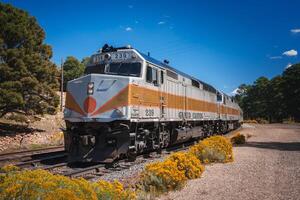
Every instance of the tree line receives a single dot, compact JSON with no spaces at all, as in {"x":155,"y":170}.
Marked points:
{"x":275,"y":99}
{"x":29,"y":81}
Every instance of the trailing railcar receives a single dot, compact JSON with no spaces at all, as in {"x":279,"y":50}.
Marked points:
{"x":128,"y":103}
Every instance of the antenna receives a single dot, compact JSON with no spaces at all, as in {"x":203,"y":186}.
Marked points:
{"x":61,"y":84}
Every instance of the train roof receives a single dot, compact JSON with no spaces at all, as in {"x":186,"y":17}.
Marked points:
{"x":206,"y":86}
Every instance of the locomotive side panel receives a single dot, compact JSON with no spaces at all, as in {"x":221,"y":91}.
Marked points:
{"x":129,"y":112}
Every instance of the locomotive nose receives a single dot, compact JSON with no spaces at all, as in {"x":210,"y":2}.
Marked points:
{"x":96,"y":97}
{"x":89,"y":104}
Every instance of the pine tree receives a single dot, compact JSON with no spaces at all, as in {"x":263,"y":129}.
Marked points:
{"x":27,"y":76}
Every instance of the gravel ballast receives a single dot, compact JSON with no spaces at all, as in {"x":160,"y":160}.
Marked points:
{"x":266,"y":167}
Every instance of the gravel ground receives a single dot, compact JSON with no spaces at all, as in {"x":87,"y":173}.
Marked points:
{"x":266,"y":167}
{"x":130,"y":172}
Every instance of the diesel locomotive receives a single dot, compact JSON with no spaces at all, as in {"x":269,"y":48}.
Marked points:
{"x":127,"y":103}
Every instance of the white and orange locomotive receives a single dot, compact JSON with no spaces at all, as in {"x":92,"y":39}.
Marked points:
{"x":128,"y":103}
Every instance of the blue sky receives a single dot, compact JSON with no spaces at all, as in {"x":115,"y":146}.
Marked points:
{"x":224,"y":43}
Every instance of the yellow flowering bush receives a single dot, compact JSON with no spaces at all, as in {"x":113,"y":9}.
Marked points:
{"x":188,"y":163}
{"x":213,"y":149}
{"x":114,"y":190}
{"x":250,"y":121}
{"x":162,"y":177}
{"x":238,"y":139}
{"x":41,"y":184}
{"x":9,"y":168}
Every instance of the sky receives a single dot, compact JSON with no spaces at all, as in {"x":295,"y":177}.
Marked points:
{"x":224,"y":43}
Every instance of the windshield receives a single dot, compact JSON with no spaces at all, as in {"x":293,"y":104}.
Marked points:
{"x":124,"y":69}
{"x":95,"y":69}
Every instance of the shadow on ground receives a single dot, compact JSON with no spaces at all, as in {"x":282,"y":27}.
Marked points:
{"x":282,"y":146}
{"x":7,"y":129}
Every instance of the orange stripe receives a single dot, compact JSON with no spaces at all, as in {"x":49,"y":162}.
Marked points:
{"x":228,"y":110}
{"x":148,"y":97}
{"x":72,"y":105}
{"x":137,"y":95}
{"x":120,"y":99}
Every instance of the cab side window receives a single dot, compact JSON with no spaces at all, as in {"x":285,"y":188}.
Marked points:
{"x":152,"y":76}
{"x":219,"y":97}
{"x":149,"y":74}
{"x":162,"y":77}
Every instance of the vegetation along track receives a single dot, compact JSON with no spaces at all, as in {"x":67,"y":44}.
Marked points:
{"x":90,"y":171}
{"x":54,"y":160}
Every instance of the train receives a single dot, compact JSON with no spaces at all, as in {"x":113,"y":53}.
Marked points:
{"x":128,"y":103}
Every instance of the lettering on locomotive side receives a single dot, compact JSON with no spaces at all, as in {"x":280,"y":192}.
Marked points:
{"x":198,"y":115}
{"x":149,"y":112}
{"x":189,"y":115}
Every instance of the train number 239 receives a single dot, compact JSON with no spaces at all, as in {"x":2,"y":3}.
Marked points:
{"x":149,"y":112}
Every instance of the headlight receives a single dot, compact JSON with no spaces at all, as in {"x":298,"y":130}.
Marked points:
{"x":107,"y":56}
{"x":90,"y":88}
{"x":91,"y":85}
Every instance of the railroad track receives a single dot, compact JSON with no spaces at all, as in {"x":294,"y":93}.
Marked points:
{"x":31,"y":157}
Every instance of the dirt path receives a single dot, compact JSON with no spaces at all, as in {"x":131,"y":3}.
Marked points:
{"x":266,"y":167}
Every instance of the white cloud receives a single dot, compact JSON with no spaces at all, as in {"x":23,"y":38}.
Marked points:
{"x":275,"y":57}
{"x":288,"y":65}
{"x":291,"y":52}
{"x":295,"y":30}
{"x":161,"y":23}
{"x":128,"y":29}
{"x":235,"y":91}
